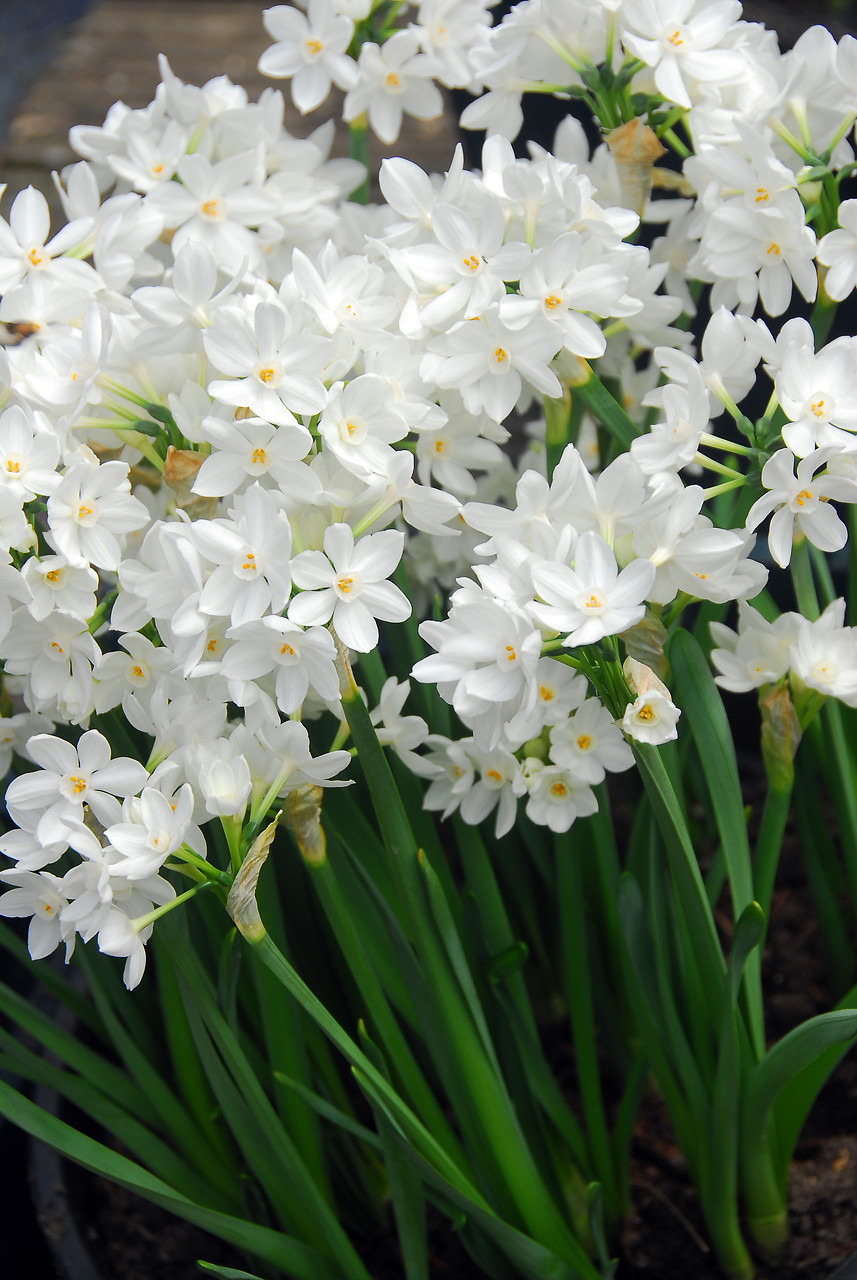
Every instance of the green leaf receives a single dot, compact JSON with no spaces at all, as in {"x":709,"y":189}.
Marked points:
{"x":291,"y":1256}
{"x":791,"y":1055}
{"x":692,"y":897}
{"x":328,"y":1111}
{"x":534,"y":1260}
{"x":704,"y":715}
{"x":226,"y":1273}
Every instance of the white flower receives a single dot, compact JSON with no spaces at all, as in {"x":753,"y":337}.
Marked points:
{"x":393,"y":79}
{"x":485,"y":359}
{"x":593,"y":599}
{"x":403,"y":733}
{"x":310,"y":49}
{"x":838,"y":252}
{"x":155,"y":826}
{"x":824,"y":654}
{"x":38,"y":895}
{"x":802,"y":498}
{"x":69,"y":778}
{"x":589,"y":743}
{"x":652,"y":716}
{"x":347,"y":585}
{"x":755,"y":655}
{"x":23,"y":252}
{"x":557,"y":797}
{"x":55,"y":584}
{"x":300,"y":659}
{"x":91,"y":510}
{"x":679,"y":44}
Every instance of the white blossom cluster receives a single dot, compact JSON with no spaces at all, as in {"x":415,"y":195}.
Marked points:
{"x":235,"y":405}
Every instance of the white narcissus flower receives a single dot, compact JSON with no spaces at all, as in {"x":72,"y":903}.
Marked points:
{"x":681,"y":44}
{"x":594,"y":599}
{"x":70,"y":777}
{"x":347,"y":585}
{"x":403,"y":733}
{"x":40,"y":896}
{"x":300,"y":659}
{"x":56,"y":584}
{"x":393,"y":79}
{"x":557,"y":797}
{"x":485,"y":358}
{"x":801,"y":498}
{"x":838,"y":252}
{"x":154,"y":826}
{"x":23,"y":252}
{"x":755,"y":655}
{"x":91,"y":511}
{"x":824,"y":654}
{"x":652,"y":716}
{"x":310,"y":49}
{"x":588,"y":743}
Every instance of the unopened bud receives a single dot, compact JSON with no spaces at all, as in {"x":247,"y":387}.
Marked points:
{"x":241,"y":900}
{"x":302,"y":816}
{"x":781,"y":734}
{"x":635,"y":147}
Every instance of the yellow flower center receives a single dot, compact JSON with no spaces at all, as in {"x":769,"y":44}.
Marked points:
{"x":584,"y":742}
{"x":472,"y":262}
{"x":805,"y":495}
{"x":259,"y":458}
{"x":553,"y":302}
{"x":511,"y":655}
{"x":817,"y":408}
{"x":773,"y":250}
{"x":345,"y":585}
{"x":499,"y":355}
{"x":77,"y":784}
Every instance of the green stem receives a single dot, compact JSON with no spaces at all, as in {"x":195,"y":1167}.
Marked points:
{"x":768,"y":845}
{"x":479,"y":1092}
{"x":391,"y":1039}
{"x":358,"y":149}
{"x":605,"y":408}
{"x":578,"y":995}
{"x":802,"y":580}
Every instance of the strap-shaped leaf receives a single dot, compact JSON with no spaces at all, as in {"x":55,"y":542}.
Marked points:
{"x":705,"y":718}
{"x":293,"y":1257}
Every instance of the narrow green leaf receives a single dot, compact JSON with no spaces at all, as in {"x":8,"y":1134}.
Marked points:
{"x":146,"y":1146}
{"x":791,"y":1055}
{"x":533,"y":1259}
{"x":328,"y":1111}
{"x":293,"y":1257}
{"x":704,"y":714}
{"x":226,"y":1273}
{"x":686,"y":873}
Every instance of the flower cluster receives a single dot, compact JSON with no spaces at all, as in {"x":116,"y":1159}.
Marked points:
{"x":226,"y":426}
